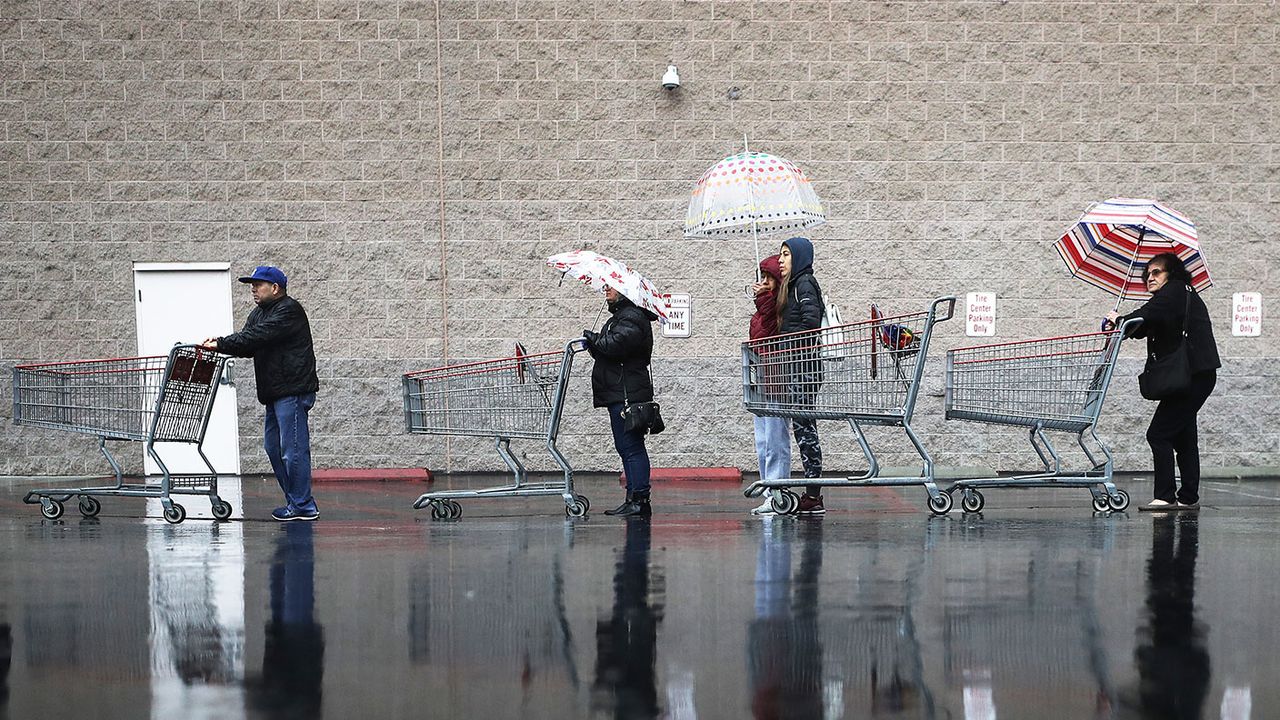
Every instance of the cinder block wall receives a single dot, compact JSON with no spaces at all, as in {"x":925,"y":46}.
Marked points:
{"x":410,"y":164}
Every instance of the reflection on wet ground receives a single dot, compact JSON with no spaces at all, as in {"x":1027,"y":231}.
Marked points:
{"x":1038,"y":607}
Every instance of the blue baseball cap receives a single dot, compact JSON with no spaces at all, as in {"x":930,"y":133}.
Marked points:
{"x":267,"y":273}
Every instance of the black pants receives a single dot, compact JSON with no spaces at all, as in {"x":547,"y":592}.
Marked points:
{"x":1173,"y":432}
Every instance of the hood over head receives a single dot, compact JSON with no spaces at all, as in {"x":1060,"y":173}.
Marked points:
{"x":769,"y":266}
{"x":801,"y":254}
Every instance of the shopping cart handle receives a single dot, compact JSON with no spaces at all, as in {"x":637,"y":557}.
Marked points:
{"x":576,"y":345}
{"x":228,"y":373}
{"x":1108,"y":325}
{"x":950,"y":300}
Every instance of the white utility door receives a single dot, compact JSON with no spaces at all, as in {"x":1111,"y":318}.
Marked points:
{"x":186,"y":303}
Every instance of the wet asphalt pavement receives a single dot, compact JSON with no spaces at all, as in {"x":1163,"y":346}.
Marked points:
{"x":1038,"y":607}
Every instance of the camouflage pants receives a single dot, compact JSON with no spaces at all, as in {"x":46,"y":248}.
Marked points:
{"x":806,"y":432}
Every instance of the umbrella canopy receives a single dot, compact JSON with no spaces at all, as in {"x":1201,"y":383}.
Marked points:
{"x":1110,"y":245}
{"x":752,"y":193}
{"x":600,"y":271}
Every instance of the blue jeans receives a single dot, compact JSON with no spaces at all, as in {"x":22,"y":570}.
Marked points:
{"x":630,"y":447}
{"x":773,"y":448}
{"x":288,"y":444}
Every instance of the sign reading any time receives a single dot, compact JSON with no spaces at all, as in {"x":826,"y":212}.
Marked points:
{"x":980,"y":314}
{"x":679,"y":316}
{"x":1246,"y":314}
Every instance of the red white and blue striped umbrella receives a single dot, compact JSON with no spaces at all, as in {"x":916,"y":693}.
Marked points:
{"x":1110,"y":245}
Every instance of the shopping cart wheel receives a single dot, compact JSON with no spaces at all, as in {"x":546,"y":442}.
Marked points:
{"x":583,"y":499}
{"x":1101,"y":503}
{"x":577,"y":508}
{"x":940,"y":504}
{"x":89,"y":506}
{"x":175,"y":514}
{"x":972,"y":502}
{"x":221,"y":510}
{"x":1119,"y":501}
{"x":785,"y":502}
{"x":453,"y":510}
{"x":51,"y":509}
{"x":438,"y":510}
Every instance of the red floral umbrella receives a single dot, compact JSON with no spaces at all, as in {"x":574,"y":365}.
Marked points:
{"x":599,"y":271}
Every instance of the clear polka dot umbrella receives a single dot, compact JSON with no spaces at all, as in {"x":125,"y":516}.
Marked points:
{"x":599,"y":271}
{"x":752,"y":194}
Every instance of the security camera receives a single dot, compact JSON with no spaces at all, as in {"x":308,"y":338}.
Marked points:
{"x":671,"y":78}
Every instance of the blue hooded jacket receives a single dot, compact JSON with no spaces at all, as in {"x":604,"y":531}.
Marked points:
{"x":804,"y":305}
{"x":801,"y":255}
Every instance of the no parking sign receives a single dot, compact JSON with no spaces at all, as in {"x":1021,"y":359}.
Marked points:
{"x":679,"y":316}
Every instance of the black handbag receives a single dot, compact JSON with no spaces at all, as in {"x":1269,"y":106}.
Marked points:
{"x":643,"y":416}
{"x":1165,"y":377}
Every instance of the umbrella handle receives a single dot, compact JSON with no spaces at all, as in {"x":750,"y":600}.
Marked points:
{"x":1132,"y":261}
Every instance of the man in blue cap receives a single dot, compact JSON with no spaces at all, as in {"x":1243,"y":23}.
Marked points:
{"x":277,"y":336}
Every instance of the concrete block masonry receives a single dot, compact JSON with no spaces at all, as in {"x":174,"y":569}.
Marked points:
{"x":950,"y":143}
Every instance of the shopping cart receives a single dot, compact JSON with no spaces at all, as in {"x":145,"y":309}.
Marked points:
{"x":1046,"y":384}
{"x":151,"y":400}
{"x":519,"y":397}
{"x":870,"y":375}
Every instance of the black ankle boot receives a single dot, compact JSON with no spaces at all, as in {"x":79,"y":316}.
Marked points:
{"x":639,"y":506}
{"x":618,"y":510}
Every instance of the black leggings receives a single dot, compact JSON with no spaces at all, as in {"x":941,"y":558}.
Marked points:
{"x":1173,"y":432}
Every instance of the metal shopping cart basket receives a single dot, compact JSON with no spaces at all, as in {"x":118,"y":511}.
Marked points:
{"x":153,"y":400}
{"x":1056,"y":384}
{"x":518,"y":397}
{"x":865,"y":373}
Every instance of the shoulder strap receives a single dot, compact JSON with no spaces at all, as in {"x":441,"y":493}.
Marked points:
{"x":1186,"y":310}
{"x":647,"y":368}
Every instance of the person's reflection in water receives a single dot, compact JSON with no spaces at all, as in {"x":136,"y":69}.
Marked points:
{"x":1173,"y":664}
{"x":783,"y":646}
{"x":293,"y":651}
{"x":626,"y":642}
{"x":6,"y":658}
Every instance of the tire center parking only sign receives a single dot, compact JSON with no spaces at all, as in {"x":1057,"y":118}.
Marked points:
{"x":980,"y":314}
{"x":1246,"y":314}
{"x":679,"y":316}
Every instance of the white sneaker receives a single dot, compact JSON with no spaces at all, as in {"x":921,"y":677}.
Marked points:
{"x":1158,"y":505}
{"x":766,"y":508}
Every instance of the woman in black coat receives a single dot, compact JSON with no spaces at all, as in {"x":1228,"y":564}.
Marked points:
{"x":1173,"y":306}
{"x":622,"y":350}
{"x":800,"y":308}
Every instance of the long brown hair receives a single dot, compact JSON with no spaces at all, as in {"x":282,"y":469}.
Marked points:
{"x":784,"y":294}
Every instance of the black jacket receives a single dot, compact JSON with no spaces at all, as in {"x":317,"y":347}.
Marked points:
{"x":1162,"y":326}
{"x":622,"y":350}
{"x":804,"y":304}
{"x":278,"y":338}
